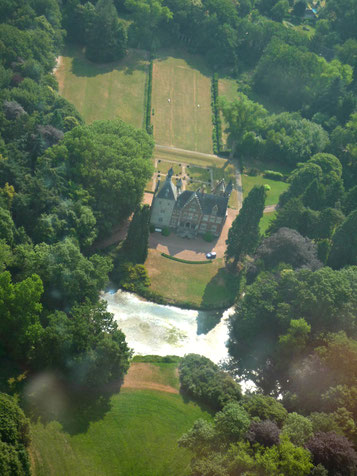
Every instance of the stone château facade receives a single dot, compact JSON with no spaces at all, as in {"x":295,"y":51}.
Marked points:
{"x":189,"y":213}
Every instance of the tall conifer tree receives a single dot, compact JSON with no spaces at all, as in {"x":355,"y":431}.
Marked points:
{"x":243,"y":235}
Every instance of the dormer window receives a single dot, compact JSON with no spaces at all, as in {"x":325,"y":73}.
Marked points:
{"x":215,"y":210}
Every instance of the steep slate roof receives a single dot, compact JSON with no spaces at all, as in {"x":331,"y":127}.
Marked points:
{"x":207,"y":202}
{"x":167,"y":190}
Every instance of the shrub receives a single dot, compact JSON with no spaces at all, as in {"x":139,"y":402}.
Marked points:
{"x":204,"y":381}
{"x":208,"y":236}
{"x":133,"y":277}
{"x":267,"y":187}
{"x":265,"y":408}
{"x":264,"y":433}
{"x":271,"y":174}
{"x":166,"y":231}
{"x":253,"y":172}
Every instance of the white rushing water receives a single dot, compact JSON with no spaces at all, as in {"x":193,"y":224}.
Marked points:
{"x":166,"y":330}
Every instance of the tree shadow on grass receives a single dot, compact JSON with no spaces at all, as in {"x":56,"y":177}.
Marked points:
{"x":203,"y":406}
{"x":222,"y":291}
{"x":195,"y":61}
{"x":82,"y":67}
{"x":47,"y":398}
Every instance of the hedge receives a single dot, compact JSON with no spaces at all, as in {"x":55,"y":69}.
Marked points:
{"x":185,"y":260}
{"x":216,"y":117}
{"x":149,"y":127}
{"x":273,"y":175}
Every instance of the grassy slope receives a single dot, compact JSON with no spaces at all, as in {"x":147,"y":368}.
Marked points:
{"x":272,"y":195}
{"x":266,"y":221}
{"x":185,"y":80}
{"x":199,"y":285}
{"x":105,"y":91}
{"x":137,"y":436}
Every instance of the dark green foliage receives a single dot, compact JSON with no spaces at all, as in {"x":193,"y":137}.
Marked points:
{"x":86,"y":346}
{"x":149,"y":127}
{"x":344,"y":243}
{"x":266,"y":339}
{"x":135,"y":246}
{"x":216,"y":116}
{"x":14,"y":438}
{"x":208,"y":237}
{"x":350,"y":200}
{"x":289,"y":138}
{"x":202,"y":379}
{"x":68,"y":276}
{"x":20,"y":315}
{"x":110,"y":161}
{"x":166,"y":231}
{"x":106,"y":39}
{"x":272,"y":174}
{"x":264,"y":408}
{"x":244,"y":233}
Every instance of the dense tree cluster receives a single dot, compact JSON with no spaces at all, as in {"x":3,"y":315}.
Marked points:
{"x":14,"y":438}
{"x":62,"y":186}
{"x":204,"y":381}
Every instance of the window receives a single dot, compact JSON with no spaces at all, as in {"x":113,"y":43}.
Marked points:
{"x":212,"y":219}
{"x":205,"y":218}
{"x":218,"y":220}
{"x":160,"y":220}
{"x":203,"y":226}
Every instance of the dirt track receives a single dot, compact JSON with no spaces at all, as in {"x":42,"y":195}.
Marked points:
{"x":143,"y":376}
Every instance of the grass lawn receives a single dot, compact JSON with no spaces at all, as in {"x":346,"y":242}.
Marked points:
{"x":277,"y":187}
{"x":228,"y":88}
{"x":265,"y":221}
{"x":105,"y":91}
{"x":163,"y":167}
{"x":186,"y":158}
{"x":184,"y":121}
{"x":198,"y":173}
{"x":137,"y":435}
{"x":199,"y":285}
{"x":267,"y":164}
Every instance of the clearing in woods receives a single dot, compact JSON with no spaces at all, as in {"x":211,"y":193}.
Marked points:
{"x":181,"y":101}
{"x":105,"y":91}
{"x":135,"y":432}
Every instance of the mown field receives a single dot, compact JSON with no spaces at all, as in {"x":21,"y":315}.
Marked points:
{"x":105,"y":91}
{"x":205,"y":285}
{"x":181,"y":101}
{"x":137,"y":435}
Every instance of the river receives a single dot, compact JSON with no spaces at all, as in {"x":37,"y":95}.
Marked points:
{"x":167,"y":330}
